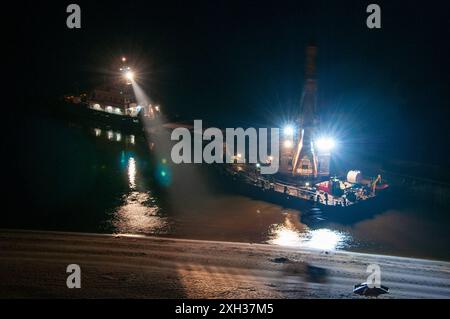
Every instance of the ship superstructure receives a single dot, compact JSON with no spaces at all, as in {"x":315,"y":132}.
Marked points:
{"x":114,"y":102}
{"x":117,"y":96}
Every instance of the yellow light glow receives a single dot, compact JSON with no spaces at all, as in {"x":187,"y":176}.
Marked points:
{"x":324,"y":239}
{"x":288,"y":144}
{"x":129,"y":75}
{"x":291,"y":233}
{"x":132,"y":172}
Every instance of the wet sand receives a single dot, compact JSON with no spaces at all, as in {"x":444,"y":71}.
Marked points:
{"x":33,"y":265}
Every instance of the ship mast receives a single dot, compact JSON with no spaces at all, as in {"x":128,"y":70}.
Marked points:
{"x":304,"y":162}
{"x":125,"y":82}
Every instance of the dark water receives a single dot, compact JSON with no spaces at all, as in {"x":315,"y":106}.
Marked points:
{"x":68,"y":177}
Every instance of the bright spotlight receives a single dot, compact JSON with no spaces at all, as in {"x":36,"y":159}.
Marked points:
{"x":288,"y":130}
{"x":325,"y":144}
{"x":288,"y":143}
{"x":129,"y":75}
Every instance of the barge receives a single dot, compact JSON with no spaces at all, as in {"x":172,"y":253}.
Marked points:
{"x":333,"y":196}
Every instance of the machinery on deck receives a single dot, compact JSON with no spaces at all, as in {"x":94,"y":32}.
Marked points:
{"x":330,"y":194}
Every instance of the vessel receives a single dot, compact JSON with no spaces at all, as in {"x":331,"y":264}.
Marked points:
{"x":336,"y":196}
{"x":114,"y":103}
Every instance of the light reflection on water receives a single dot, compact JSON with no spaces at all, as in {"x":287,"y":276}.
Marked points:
{"x":289,"y":234}
{"x":138,"y":213}
{"x":132,"y":172}
{"x":115,"y":136}
{"x":137,"y":216}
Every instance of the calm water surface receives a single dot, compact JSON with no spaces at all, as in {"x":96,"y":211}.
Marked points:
{"x":95,"y":179}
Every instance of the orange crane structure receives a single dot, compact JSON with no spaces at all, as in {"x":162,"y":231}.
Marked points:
{"x":299,"y":157}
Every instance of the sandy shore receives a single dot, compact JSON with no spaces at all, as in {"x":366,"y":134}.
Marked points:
{"x":33,"y":264}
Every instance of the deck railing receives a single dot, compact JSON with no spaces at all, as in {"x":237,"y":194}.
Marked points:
{"x":291,"y":189}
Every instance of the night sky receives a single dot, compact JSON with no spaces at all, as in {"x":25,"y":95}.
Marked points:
{"x":242,"y":63}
